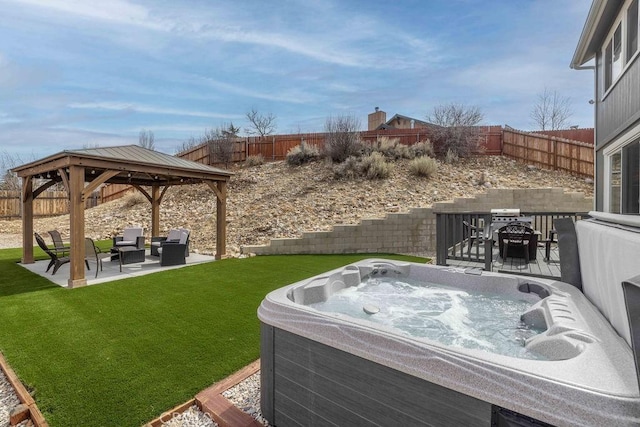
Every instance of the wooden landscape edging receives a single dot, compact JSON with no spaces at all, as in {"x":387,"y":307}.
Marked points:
{"x":213,"y":403}
{"x":23,"y":395}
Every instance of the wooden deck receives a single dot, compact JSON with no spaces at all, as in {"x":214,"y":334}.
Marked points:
{"x":538,"y":267}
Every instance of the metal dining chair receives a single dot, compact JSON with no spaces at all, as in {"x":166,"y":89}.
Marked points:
{"x":515,"y":236}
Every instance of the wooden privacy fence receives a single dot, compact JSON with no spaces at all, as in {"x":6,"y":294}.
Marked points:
{"x":48,"y":203}
{"x":549,"y":152}
{"x":109,"y":192}
{"x":276,"y":147}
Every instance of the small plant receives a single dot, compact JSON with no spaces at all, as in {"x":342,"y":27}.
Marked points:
{"x":451,"y":157}
{"x":422,"y":148}
{"x":301,"y":154}
{"x":252,"y":161}
{"x":375,"y":166}
{"x":423,"y":166}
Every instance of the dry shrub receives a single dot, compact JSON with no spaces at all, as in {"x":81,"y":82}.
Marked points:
{"x":349,"y":169}
{"x":423,"y":166}
{"x":256,"y":160}
{"x":393,"y":149}
{"x":301,"y":154}
{"x":342,"y":139}
{"x":134,"y":199}
{"x":451,"y":157}
{"x":374,"y":166}
{"x":423,"y":148}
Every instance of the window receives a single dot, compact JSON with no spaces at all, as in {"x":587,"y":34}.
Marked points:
{"x":624,"y":179}
{"x":622,"y":45}
{"x":613,"y":57}
{"x":608,"y":79}
{"x":632,"y":30}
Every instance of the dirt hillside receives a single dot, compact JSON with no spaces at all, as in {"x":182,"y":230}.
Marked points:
{"x":275,"y":200}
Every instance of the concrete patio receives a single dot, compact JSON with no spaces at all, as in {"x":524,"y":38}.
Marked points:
{"x":111,"y":269}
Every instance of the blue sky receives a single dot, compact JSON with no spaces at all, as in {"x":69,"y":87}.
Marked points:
{"x":86,"y":73}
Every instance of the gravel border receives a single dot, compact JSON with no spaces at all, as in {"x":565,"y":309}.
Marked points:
{"x":246,"y":396}
{"x":8,"y":399}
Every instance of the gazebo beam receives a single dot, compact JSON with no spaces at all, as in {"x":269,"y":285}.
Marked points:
{"x":221,"y":219}
{"x":76,"y":219}
{"x":27,"y":220}
{"x":156,"y":198}
{"x":93,"y":185}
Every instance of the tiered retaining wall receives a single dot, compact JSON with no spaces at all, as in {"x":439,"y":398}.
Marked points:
{"x":414,"y":232}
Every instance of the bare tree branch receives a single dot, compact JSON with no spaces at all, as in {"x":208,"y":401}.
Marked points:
{"x":342,"y":138}
{"x":147,"y":140}
{"x":456,"y":131}
{"x":552,"y":111}
{"x":8,"y":179}
{"x":260,"y":124}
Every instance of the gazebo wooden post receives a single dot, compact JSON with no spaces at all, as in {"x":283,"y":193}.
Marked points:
{"x":27,"y":220}
{"x":76,"y":219}
{"x":221,"y":219}
{"x":155,"y":210}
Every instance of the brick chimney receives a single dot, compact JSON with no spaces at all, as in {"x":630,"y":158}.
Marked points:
{"x":376,"y":118}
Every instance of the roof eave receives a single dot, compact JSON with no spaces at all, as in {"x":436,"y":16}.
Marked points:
{"x":583,"y":52}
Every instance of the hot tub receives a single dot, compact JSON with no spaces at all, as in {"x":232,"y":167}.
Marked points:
{"x":326,"y":368}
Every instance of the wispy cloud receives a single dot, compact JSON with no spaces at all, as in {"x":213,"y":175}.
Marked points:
{"x":138,"y":108}
{"x":115,"y":11}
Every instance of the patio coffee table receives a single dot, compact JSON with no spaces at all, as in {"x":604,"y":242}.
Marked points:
{"x":127,"y":255}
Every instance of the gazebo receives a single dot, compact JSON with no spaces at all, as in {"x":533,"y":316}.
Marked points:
{"x":83,"y":171}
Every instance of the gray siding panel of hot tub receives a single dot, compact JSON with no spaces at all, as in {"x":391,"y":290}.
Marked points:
{"x":317,"y":384}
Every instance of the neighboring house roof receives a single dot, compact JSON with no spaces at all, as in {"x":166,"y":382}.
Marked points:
{"x":389,"y":123}
{"x":596,"y":27}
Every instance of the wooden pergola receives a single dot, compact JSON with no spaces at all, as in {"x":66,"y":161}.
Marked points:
{"x":85,"y":170}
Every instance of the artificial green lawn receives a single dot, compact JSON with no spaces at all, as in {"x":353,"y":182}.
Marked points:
{"x":123,"y":352}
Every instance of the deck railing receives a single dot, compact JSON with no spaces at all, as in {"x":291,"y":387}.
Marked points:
{"x":464,"y":236}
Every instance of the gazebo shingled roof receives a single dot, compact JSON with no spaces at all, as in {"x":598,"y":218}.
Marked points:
{"x":128,"y":164}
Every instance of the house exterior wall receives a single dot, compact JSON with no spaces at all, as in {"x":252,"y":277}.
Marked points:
{"x":620,"y":109}
{"x":617,"y":111}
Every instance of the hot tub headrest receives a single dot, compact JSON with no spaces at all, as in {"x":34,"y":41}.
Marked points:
{"x":609,"y":247}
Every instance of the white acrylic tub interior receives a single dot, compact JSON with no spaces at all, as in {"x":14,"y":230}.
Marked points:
{"x":590,"y":379}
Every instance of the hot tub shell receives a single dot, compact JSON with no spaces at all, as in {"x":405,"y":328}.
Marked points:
{"x":320,"y":368}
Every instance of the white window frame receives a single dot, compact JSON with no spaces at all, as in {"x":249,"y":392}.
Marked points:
{"x":622,"y":21}
{"x":617,"y":146}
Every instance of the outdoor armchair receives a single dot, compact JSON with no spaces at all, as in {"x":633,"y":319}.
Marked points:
{"x":174,"y":252}
{"x":173,"y":236}
{"x":56,"y":261}
{"x":131,"y":236}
